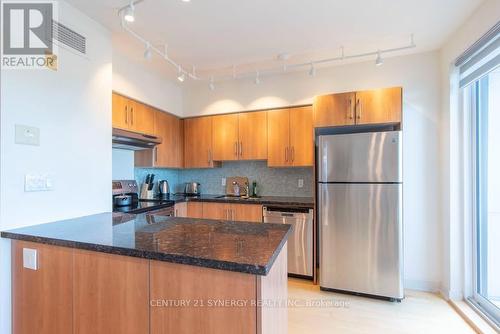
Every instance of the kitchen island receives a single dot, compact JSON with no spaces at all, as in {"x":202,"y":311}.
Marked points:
{"x":119,"y":273}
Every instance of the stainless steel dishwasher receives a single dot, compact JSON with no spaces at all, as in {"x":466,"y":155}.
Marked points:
{"x":300,"y":242}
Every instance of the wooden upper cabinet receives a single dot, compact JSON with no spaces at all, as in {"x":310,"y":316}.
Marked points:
{"x":290,"y":137}
{"x":120,"y":112}
{"x":278,"y":137}
{"x":132,"y":115}
{"x":252,"y":128}
{"x":198,"y":143}
{"x":334,"y":110}
{"x":225,"y":137}
{"x":142,"y":118}
{"x":170,"y":152}
{"x":301,"y":137}
{"x":379,"y":106}
{"x":240,"y":136}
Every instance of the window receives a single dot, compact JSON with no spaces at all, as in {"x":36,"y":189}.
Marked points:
{"x":485,"y":104}
{"x":479,"y":76}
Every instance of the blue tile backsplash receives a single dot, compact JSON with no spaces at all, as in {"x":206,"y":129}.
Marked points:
{"x":271,"y":181}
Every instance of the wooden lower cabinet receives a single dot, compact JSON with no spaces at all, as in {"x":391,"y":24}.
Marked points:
{"x":234,"y":212}
{"x":204,"y":287}
{"x":247,"y":212}
{"x":217,"y":211}
{"x":180,"y":209}
{"x":194,"y":209}
{"x":42,"y":298}
{"x":200,"y":286}
{"x":111,"y":293}
{"x":79,"y":291}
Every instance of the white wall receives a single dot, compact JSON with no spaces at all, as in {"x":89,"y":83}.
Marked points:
{"x":420,"y":77}
{"x":134,"y":80}
{"x":72,"y":109}
{"x":451,"y":142}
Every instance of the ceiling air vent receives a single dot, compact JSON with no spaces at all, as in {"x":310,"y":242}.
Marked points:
{"x":68,"y":37}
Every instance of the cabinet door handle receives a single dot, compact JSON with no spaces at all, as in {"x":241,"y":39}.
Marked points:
{"x":126,"y":115}
{"x":208,"y":156}
{"x":286,"y":154}
{"x":227,"y":214}
{"x":236,"y":148}
{"x":360,"y":107}
{"x":351,"y":112}
{"x":293,"y":153}
{"x":241,"y":149}
{"x":132,"y":116}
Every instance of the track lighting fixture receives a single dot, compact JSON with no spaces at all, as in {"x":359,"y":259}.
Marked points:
{"x":312,"y":70}
{"x":148,"y":53}
{"x":180,"y":75}
{"x":211,"y":85}
{"x":379,"y":61}
{"x":128,"y":13}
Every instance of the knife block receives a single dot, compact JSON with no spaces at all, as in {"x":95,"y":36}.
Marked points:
{"x":145,"y":193}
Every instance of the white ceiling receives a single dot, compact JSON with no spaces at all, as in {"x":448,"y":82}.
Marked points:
{"x":216,"y":34}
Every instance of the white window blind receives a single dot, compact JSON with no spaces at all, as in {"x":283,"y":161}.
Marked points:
{"x":481,"y":58}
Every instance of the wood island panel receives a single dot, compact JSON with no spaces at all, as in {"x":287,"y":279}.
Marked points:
{"x":111,"y":294}
{"x":199,"y":286}
{"x":42,"y":298}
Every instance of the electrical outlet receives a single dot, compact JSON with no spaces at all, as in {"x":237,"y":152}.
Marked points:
{"x":223,"y":181}
{"x":27,"y":135}
{"x":30,"y":258}
{"x":300,"y":184}
{"x":38,"y":182}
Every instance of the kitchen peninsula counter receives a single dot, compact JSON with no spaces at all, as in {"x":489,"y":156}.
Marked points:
{"x":131,"y":273}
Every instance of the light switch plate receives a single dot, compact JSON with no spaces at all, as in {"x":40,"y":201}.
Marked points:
{"x":223,"y":181}
{"x":30,"y":259}
{"x":300,"y":184}
{"x":27,"y":135}
{"x":38,"y":182}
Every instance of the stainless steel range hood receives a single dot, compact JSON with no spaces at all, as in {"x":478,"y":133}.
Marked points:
{"x":129,"y":140}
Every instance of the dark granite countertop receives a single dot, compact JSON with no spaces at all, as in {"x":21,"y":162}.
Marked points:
{"x":234,"y":246}
{"x":265,"y":200}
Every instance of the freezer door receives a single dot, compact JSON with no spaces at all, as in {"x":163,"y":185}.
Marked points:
{"x":360,"y":157}
{"x":361,"y":238}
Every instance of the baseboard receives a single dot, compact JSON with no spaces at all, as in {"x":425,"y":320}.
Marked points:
{"x":418,"y":285}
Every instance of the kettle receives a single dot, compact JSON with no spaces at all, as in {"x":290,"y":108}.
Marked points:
{"x":163,"y":188}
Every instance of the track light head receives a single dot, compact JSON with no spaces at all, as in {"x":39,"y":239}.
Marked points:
{"x":379,"y":61}
{"x":180,"y":75}
{"x":211,"y":85}
{"x":128,"y":13}
{"x":257,"y":78}
{"x":312,"y":70}
{"x":148,"y":53}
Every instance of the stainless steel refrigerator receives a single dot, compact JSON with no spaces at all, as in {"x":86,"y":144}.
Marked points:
{"x":360,"y":213}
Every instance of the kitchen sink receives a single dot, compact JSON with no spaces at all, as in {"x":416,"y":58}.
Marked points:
{"x":237,"y":198}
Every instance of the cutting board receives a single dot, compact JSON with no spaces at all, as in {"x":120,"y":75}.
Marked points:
{"x":242,"y":181}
